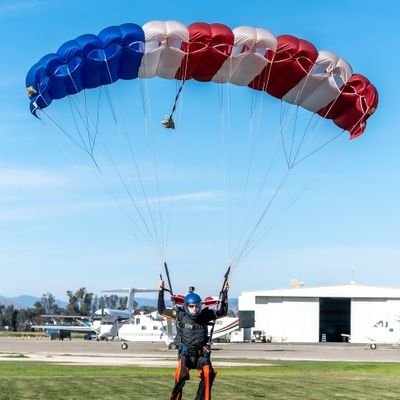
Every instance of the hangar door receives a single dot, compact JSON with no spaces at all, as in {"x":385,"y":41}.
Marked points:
{"x":334,"y":319}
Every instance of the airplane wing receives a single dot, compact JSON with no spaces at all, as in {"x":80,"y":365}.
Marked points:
{"x":65,"y":328}
{"x":84,"y":317}
{"x":127,"y":290}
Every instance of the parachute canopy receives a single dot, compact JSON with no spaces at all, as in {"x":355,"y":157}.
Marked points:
{"x":286,"y":67}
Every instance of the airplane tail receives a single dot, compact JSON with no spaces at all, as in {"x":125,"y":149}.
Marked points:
{"x":131,"y":295}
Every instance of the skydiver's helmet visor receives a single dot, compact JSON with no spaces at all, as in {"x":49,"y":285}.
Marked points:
{"x":192,"y":304}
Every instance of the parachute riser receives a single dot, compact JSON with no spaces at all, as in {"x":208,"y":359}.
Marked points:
{"x":222,"y":293}
{"x":170,"y":291}
{"x":168,"y":122}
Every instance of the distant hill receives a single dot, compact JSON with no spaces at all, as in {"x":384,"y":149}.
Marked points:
{"x":143,"y":301}
{"x":5,"y":301}
{"x":233,"y":304}
{"x":26,"y":301}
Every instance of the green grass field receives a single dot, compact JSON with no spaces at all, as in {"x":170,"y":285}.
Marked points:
{"x":282,"y":380}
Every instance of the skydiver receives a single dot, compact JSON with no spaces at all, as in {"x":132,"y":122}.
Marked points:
{"x":192,"y":321}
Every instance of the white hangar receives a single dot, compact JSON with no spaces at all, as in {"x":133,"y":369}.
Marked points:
{"x":326,"y":313}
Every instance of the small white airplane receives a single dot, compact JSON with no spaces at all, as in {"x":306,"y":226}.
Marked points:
{"x":385,"y":331}
{"x":60,"y":326}
{"x":104,"y":323}
{"x":142,"y":327}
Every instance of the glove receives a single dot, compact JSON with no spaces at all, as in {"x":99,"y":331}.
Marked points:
{"x":225,"y":292}
{"x":206,"y":350}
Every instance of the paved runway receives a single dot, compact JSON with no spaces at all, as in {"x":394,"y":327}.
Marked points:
{"x":157,"y":354}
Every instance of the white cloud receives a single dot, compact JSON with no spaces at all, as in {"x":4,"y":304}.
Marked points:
{"x":12,"y":177}
{"x":26,"y":211}
{"x":9,"y":198}
{"x":36,"y":193}
{"x":31,"y":194}
{"x":22,"y":6}
{"x":195,"y":196}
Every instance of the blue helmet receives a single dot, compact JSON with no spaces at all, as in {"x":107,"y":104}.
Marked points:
{"x":192,"y":304}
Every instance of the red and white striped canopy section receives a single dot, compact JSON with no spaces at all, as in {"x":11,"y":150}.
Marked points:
{"x":285,"y":66}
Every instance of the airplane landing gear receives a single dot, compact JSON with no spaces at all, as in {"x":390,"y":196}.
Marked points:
{"x":124,"y":346}
{"x":172,"y":346}
{"x":372,"y":346}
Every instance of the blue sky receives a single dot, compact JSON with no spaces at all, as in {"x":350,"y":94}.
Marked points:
{"x":61,"y":229}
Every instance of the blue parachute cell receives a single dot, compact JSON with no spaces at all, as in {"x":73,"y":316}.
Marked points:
{"x":132,"y":50}
{"x":87,"y":62}
{"x":38,"y":79}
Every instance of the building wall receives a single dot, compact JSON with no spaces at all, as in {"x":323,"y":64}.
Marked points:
{"x":296,"y":318}
{"x":288,"y":319}
{"x":246,"y":301}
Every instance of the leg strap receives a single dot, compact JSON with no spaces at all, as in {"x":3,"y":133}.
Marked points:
{"x":181,"y":376}
{"x":207,"y":375}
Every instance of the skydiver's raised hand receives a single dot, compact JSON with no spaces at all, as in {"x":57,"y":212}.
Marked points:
{"x":224,"y":293}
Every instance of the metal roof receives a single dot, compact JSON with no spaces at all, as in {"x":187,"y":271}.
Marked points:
{"x":348,"y":291}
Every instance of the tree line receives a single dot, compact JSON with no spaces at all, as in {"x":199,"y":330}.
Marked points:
{"x":81,"y":303}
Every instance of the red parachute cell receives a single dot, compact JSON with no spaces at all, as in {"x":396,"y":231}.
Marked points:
{"x":209,"y":301}
{"x":289,"y":64}
{"x":357,"y":101}
{"x":208,"y":48}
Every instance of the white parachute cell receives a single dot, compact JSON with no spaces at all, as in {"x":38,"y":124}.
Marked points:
{"x":323,"y":84}
{"x":248,"y":55}
{"x":163,"y":55}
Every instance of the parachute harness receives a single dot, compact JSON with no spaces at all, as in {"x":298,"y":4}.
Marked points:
{"x":222,"y":294}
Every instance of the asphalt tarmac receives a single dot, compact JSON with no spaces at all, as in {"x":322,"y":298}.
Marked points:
{"x":156,"y":354}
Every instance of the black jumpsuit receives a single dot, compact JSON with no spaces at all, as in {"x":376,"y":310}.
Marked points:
{"x":193,"y":349}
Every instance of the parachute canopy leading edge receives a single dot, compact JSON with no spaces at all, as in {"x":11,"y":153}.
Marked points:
{"x":286,"y":67}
